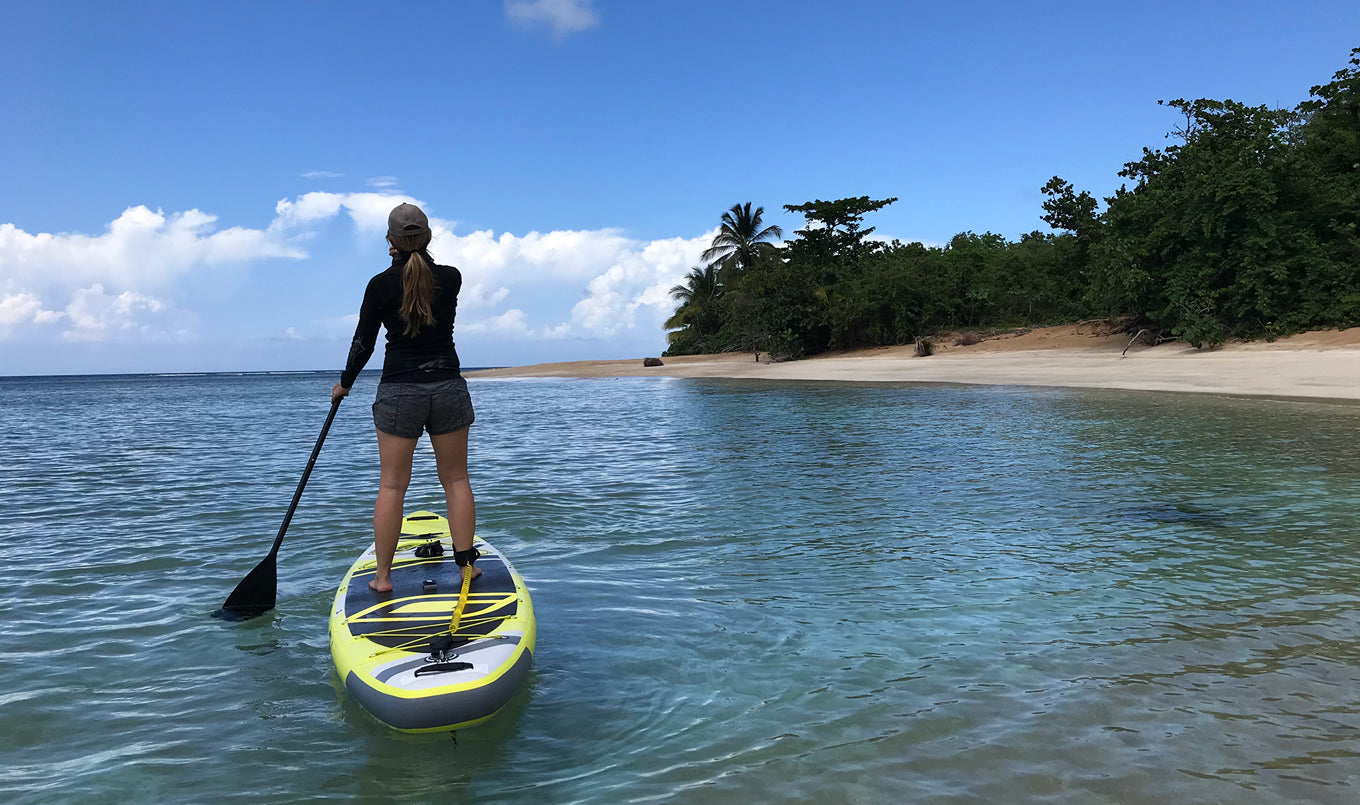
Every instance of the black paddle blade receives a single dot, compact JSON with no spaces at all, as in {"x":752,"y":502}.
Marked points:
{"x":254,"y":596}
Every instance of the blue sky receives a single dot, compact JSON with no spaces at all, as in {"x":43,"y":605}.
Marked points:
{"x":203,"y":186}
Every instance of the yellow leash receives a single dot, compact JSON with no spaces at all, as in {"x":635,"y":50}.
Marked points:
{"x":462,"y":598}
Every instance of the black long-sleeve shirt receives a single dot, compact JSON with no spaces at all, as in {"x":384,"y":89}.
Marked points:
{"x":426,"y":357}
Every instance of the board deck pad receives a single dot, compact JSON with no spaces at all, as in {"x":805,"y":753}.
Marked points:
{"x":407,"y":612}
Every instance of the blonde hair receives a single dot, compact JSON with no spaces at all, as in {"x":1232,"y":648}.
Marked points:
{"x":417,"y":281}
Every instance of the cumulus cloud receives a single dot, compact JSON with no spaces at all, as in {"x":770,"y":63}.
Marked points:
{"x":101,"y":285}
{"x":613,"y":283}
{"x":121,"y":283}
{"x":367,"y":210}
{"x":539,"y":285}
{"x":131,"y":282}
{"x":510,"y":323}
{"x":141,"y":248}
{"x":95,"y":315}
{"x":638,"y":282}
{"x":20,"y":308}
{"x":563,"y":17}
{"x":576,"y":254}
{"x":24,"y":309}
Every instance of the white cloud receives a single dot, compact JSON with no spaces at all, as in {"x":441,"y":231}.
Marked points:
{"x":575,"y":254}
{"x":640,"y":280}
{"x":383,"y":182}
{"x":130,"y":282}
{"x":120,"y":283}
{"x":322,"y":175}
{"x":106,"y":284}
{"x":617,"y":283}
{"x":23,"y":309}
{"x":368,"y":211}
{"x":141,"y":249}
{"x":510,"y":323}
{"x":98,"y":316}
{"x":308,"y":208}
{"x":478,"y":295}
{"x":562,"y":16}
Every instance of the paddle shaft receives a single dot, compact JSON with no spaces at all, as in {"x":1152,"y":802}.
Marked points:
{"x":307,"y":473}
{"x":256,"y":593}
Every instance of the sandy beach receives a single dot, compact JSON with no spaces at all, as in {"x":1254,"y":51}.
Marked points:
{"x":1322,"y":365}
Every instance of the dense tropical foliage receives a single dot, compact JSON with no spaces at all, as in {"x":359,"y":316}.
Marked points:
{"x":1248,"y":226}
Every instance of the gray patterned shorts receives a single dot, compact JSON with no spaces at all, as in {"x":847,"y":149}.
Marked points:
{"x":409,"y":409}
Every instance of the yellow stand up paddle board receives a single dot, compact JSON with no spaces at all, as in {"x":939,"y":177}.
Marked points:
{"x":413,"y":657}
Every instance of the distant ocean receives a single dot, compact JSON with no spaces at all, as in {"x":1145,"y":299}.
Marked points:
{"x":749,"y":591}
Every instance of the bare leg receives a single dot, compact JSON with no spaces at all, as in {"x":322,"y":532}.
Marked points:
{"x":394,"y":456}
{"x":450,"y":456}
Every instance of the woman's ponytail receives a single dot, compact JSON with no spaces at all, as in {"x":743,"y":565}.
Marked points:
{"x":408,"y":233}
{"x":417,"y":291}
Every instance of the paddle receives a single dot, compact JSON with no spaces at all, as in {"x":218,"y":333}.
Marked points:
{"x":255,"y":595}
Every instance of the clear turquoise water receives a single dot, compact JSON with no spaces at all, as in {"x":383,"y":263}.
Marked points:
{"x":785,"y":593}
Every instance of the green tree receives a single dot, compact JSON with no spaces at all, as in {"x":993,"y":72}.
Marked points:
{"x":1049,"y":272}
{"x":696,"y":320}
{"x":885,"y":302}
{"x":817,"y":278}
{"x":1248,"y":225}
{"x":701,"y":322}
{"x":1202,"y":244}
{"x":833,"y":228}
{"x":1069,"y":210}
{"x":1331,"y":124}
{"x":1328,"y":175}
{"x":742,"y":241}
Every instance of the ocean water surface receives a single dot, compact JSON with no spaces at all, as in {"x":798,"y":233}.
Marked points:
{"x":795,"y":592}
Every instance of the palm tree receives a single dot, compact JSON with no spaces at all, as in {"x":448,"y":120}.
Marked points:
{"x":696,"y":296}
{"x":740,"y":242}
{"x":697,"y":292}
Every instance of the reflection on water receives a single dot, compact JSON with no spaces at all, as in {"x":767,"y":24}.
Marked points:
{"x":784,"y":592}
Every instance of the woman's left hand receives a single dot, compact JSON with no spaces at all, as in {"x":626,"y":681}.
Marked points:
{"x":338,"y":391}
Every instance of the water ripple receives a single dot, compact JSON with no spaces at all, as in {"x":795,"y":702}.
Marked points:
{"x":783,"y":592}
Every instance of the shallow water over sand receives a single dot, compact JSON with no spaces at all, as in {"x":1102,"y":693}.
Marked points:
{"x":784,"y":592}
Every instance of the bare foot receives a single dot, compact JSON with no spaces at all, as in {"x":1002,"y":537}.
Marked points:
{"x":380,"y":588}
{"x":476,"y":571}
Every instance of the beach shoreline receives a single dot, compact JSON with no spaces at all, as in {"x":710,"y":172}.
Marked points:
{"x":1322,"y":365}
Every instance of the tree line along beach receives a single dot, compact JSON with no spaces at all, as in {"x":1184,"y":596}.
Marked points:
{"x":1228,"y":261}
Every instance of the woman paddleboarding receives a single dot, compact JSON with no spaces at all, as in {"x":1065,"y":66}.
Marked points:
{"x":422,"y":389}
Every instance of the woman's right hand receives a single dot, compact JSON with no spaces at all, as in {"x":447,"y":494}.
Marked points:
{"x":338,"y":391}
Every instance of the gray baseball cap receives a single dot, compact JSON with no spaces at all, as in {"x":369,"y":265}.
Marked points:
{"x":407,"y":220}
